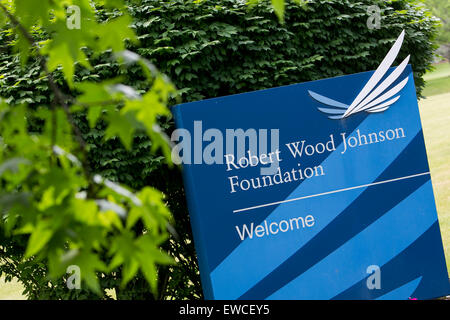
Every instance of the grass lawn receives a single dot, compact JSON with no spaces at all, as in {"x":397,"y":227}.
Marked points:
{"x":435,"y":114}
{"x":438,"y":81}
{"x":441,"y":70}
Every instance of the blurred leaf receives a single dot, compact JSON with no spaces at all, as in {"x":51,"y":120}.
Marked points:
{"x":40,"y":236}
{"x":122,"y":127}
{"x":12,"y":164}
{"x":279,"y":6}
{"x":89,"y":264}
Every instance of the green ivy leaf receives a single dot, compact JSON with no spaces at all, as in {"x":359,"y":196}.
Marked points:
{"x":65,"y":50}
{"x":110,"y":32}
{"x":32,"y":11}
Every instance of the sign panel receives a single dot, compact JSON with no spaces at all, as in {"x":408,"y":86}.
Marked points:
{"x":318,"y":190}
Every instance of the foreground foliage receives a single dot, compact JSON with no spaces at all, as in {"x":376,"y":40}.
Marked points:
{"x":54,"y":204}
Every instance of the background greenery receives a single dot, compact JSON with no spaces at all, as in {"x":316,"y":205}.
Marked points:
{"x":438,"y":81}
{"x":441,"y":9}
{"x":209,"y":48}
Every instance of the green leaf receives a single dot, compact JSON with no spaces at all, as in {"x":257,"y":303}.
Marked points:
{"x":94,"y":112}
{"x":149,"y":255}
{"x":97,"y":97}
{"x":123,"y":248}
{"x":279,"y":7}
{"x":152,"y":105}
{"x":40,"y":236}
{"x":113,"y":33}
{"x":89,"y":263}
{"x":122,"y":126}
{"x":153,"y":210}
{"x":32,"y":11}
{"x":3,"y":19}
{"x":12,"y":165}
{"x":66,"y":46}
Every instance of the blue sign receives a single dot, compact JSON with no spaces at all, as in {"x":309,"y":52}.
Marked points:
{"x":318,"y":190}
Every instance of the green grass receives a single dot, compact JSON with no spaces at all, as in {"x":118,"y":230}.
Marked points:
{"x":436,"y":86}
{"x":435,"y":114}
{"x":438,"y":81}
{"x":441,"y":70}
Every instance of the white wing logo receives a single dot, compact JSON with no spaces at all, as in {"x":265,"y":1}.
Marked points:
{"x":373,"y":97}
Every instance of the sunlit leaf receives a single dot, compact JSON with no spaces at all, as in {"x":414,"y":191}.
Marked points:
{"x":278,"y":7}
{"x":40,"y":236}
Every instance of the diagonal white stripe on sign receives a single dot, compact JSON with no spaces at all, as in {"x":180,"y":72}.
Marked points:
{"x":330,"y":192}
